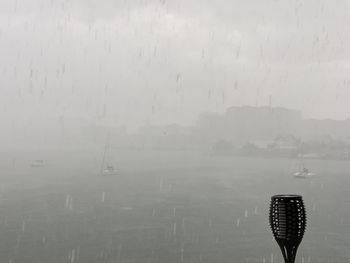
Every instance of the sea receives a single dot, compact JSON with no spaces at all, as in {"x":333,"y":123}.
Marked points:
{"x":163,"y":207}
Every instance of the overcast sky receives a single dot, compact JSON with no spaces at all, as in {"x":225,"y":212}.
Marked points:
{"x":165,"y":61}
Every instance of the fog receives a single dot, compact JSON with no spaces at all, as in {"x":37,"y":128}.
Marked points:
{"x":198,"y":112}
{"x":157,"y":62}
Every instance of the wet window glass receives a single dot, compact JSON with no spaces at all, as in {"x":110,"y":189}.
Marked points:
{"x":157,"y":131}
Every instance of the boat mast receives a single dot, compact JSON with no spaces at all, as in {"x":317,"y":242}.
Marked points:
{"x":105,"y":153}
{"x":301,"y":158}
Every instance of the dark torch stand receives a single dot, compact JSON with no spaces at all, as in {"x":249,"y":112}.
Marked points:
{"x":288,"y":221}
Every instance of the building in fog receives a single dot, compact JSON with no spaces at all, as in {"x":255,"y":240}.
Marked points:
{"x":245,"y":124}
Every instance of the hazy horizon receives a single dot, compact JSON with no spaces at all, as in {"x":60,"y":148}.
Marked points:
{"x":157,"y":62}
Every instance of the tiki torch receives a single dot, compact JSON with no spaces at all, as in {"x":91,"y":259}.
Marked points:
{"x":288,"y":222}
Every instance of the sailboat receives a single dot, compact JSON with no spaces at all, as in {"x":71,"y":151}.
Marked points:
{"x":303,"y":171}
{"x":106,"y":168}
{"x":37,"y":163}
{"x":109,"y":170}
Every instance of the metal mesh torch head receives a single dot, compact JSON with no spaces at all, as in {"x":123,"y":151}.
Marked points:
{"x":287,"y":218}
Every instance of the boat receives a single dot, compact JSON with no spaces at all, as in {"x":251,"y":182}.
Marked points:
{"x":107,"y":169}
{"x":37,"y":163}
{"x":304,"y":173}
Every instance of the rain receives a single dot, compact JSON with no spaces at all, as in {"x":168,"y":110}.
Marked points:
{"x":156,"y":131}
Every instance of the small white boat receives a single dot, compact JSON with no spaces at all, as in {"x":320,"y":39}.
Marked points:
{"x":304,"y":173}
{"x":109,"y":170}
{"x":106,"y":168}
{"x":37,"y":163}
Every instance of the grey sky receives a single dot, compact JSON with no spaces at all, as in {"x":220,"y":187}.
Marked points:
{"x":165,"y":61}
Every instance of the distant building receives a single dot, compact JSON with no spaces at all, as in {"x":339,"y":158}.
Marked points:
{"x":244,"y":124}
{"x":319,"y":129}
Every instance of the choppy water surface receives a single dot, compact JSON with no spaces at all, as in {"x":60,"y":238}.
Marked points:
{"x":165,"y":207}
